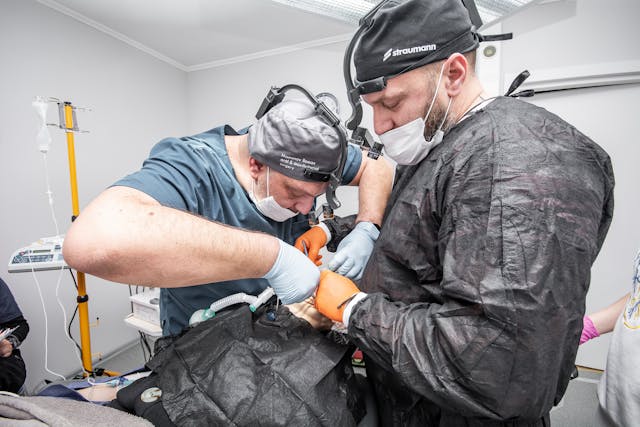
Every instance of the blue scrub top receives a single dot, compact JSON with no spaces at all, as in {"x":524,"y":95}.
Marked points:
{"x":194,"y":174}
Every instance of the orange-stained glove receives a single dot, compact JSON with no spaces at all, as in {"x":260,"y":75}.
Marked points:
{"x":315,"y":239}
{"x":333,"y":294}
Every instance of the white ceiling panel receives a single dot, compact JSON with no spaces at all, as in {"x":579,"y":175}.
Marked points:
{"x":195,"y":34}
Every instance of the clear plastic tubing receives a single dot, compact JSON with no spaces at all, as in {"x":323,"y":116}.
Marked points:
{"x":253,"y":301}
{"x":231,"y":300}
{"x":262,"y":298}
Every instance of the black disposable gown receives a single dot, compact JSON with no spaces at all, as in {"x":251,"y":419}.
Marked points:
{"x":477,"y":282}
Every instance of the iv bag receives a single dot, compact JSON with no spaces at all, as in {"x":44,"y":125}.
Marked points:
{"x":43,"y":138}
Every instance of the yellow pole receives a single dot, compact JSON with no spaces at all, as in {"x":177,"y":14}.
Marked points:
{"x":83,"y":298}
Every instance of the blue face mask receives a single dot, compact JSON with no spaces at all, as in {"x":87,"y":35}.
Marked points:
{"x":269,"y":207}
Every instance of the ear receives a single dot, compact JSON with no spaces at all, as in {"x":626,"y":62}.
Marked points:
{"x":455,"y":74}
{"x":255,"y":168}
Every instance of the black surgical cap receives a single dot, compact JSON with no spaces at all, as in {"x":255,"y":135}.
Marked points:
{"x":407,"y":34}
{"x":292,"y":138}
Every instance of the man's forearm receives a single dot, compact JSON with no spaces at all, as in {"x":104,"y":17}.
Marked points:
{"x":374,"y":190}
{"x":126,"y":236}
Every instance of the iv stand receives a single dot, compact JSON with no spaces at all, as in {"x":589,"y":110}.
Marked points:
{"x":67,"y":116}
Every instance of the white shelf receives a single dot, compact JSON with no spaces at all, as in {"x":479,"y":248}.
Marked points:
{"x":143,"y":326}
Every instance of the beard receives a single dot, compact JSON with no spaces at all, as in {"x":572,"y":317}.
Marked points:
{"x":436,"y":118}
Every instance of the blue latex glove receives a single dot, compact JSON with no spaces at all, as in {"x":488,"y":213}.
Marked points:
{"x":354,"y":251}
{"x":293,"y":276}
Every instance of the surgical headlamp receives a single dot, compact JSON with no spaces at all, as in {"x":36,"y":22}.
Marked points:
{"x":334,"y":178}
{"x":359,"y":135}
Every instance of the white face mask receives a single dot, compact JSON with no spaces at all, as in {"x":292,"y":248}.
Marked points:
{"x":406,"y":144}
{"x":269,"y":207}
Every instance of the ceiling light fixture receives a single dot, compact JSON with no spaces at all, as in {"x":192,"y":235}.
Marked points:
{"x":345,"y":10}
{"x":491,"y":11}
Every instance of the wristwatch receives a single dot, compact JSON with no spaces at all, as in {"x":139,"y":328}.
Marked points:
{"x":15,"y":342}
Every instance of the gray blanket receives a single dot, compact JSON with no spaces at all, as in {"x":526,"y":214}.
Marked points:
{"x":38,"y":411}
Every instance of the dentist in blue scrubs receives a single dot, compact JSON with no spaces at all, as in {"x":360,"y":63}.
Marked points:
{"x":217,"y":213}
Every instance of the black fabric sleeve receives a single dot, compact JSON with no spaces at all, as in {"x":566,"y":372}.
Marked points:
{"x":12,"y":372}
{"x":21,"y":333}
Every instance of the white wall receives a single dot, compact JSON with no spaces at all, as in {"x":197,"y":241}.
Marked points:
{"x":136,"y":100}
{"x":572,"y":33}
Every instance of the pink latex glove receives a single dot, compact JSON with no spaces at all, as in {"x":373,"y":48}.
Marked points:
{"x":589,"y":330}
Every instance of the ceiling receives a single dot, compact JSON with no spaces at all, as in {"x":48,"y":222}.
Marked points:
{"x":199,"y":34}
